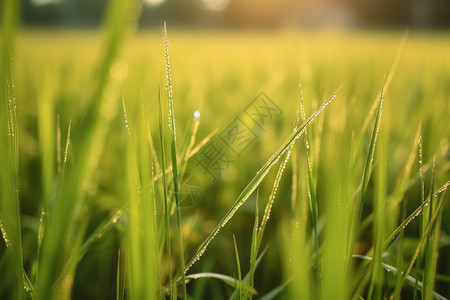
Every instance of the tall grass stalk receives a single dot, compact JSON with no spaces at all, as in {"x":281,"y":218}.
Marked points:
{"x":166,"y":199}
{"x":376,"y":284}
{"x":311,"y":189}
{"x":255,"y":182}
{"x":367,"y":172}
{"x":173,"y":151}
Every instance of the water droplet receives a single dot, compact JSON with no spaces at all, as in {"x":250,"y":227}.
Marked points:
{"x":196,"y":114}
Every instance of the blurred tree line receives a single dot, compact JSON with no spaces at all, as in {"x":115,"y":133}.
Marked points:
{"x":249,"y":13}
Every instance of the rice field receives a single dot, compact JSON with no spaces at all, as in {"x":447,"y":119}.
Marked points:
{"x":224,"y":164}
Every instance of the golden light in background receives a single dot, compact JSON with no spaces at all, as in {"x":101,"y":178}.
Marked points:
{"x":215,"y":5}
{"x":44,"y":2}
{"x":153,"y":2}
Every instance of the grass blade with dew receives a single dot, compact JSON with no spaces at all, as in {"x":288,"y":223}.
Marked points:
{"x":431,"y":248}
{"x":165,"y":196}
{"x":376,"y":284}
{"x":258,"y":230}
{"x":255,"y":182}
{"x":298,"y":252}
{"x":402,"y":185}
{"x":142,"y":249}
{"x":231,"y":281}
{"x":387,"y":80}
{"x":424,"y":215}
{"x":311,"y":190}
{"x":10,"y":222}
{"x":366,"y":175}
{"x":411,"y":280}
{"x":388,"y":242}
{"x":173,"y":151}
{"x":434,"y":222}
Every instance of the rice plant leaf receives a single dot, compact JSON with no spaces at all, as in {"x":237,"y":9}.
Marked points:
{"x":431,"y":249}
{"x":410,"y":279}
{"x":434,"y":222}
{"x":312,"y":198}
{"x":276,"y":292}
{"x":255,"y":182}
{"x":231,"y":281}
{"x":366,"y":173}
{"x":375,"y":288}
{"x":173,"y":151}
{"x":238,"y":266}
{"x":165,"y":196}
{"x":413,"y":215}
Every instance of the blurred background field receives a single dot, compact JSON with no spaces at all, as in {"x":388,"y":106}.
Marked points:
{"x":218,"y":72}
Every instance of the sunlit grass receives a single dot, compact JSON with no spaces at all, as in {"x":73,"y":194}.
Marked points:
{"x":91,"y":179}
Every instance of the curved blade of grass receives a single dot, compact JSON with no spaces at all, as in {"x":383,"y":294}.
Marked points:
{"x":248,"y":276}
{"x":312,"y":198}
{"x":403,"y":183}
{"x":410,"y":279}
{"x":431,"y":249}
{"x":255,"y":182}
{"x":238,"y":266}
{"x":376,"y":284}
{"x":276,"y":292}
{"x":231,"y":281}
{"x":434,"y":222}
{"x":165,"y":196}
{"x":413,"y":215}
{"x":430,"y":227}
{"x":142,"y":248}
{"x":387,"y":81}
{"x":366,"y":175}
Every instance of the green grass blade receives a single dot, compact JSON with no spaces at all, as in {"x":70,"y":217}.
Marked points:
{"x":402,"y":185}
{"x":255,"y":182}
{"x":366,"y":174}
{"x":433,"y":223}
{"x":231,"y":281}
{"x":276,"y":292}
{"x":118,"y":278}
{"x":312,"y":198}
{"x":10,"y":220}
{"x":165,"y":196}
{"x":143,"y":259}
{"x":238,"y":266}
{"x":173,"y":151}
{"x":411,"y":280}
{"x":388,"y":242}
{"x":375,"y":289}
{"x":431,"y":251}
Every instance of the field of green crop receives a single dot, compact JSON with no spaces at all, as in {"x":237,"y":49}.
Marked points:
{"x":224,"y":164}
